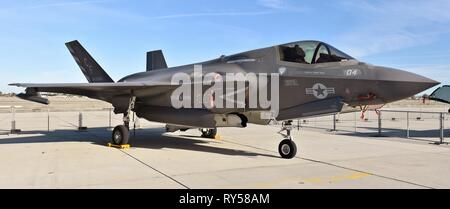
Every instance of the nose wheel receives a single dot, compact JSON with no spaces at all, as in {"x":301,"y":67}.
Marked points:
{"x":287,"y":148}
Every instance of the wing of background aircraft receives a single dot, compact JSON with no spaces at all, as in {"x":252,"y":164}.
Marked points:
{"x":441,"y":94}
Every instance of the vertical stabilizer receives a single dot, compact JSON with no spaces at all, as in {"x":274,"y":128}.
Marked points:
{"x":155,"y":60}
{"x":91,"y":69}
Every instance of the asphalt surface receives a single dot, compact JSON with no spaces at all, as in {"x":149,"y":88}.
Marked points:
{"x":243,"y":158}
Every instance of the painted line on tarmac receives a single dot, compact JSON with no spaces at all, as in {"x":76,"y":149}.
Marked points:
{"x":147,"y":165}
{"x":325,"y":180}
{"x":337,"y":166}
{"x":271,"y":151}
{"x":160,"y":172}
{"x":373,"y":174}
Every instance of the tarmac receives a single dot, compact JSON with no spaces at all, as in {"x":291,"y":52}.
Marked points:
{"x":50,"y":152}
{"x":243,"y":158}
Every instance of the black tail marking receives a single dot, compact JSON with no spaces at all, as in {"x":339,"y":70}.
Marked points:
{"x":93,"y":72}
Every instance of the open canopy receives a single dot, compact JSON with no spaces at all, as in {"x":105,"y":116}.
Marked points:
{"x":311,"y":52}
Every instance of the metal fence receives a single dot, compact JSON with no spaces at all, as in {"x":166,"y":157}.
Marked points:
{"x":14,"y":119}
{"x":419,"y":125}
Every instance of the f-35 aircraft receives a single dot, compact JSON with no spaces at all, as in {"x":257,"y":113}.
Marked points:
{"x":314,"y":78}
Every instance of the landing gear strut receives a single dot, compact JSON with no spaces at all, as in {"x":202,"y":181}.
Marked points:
{"x":287,"y":147}
{"x":121,"y":133}
{"x":209,"y":132}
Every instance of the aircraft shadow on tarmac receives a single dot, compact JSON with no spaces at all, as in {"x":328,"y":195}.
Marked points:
{"x":150,"y":138}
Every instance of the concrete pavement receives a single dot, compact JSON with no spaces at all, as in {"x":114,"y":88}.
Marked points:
{"x":244,"y":158}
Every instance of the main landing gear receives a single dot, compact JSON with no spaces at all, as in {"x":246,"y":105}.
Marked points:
{"x":209,"y":132}
{"x":121,"y":133}
{"x":287,"y":147}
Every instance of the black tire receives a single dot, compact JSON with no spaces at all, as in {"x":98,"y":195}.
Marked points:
{"x":167,"y":128}
{"x":287,"y":149}
{"x":120,"y":135}
{"x":209,"y":133}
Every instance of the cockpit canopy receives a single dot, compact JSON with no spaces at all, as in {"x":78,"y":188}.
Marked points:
{"x":311,"y":52}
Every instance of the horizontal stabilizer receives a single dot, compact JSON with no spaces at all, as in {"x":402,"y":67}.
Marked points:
{"x":34,"y":96}
{"x":156,"y":60}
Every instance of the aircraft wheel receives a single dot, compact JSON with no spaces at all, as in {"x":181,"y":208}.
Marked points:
{"x":167,"y":128}
{"x":287,"y":149}
{"x":209,"y":132}
{"x":120,"y":135}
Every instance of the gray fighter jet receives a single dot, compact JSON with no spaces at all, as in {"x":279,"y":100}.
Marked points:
{"x":314,"y":79}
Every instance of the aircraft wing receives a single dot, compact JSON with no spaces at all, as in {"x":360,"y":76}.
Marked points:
{"x":87,"y":86}
{"x":93,"y":90}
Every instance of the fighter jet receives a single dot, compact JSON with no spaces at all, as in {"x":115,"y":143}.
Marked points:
{"x":307,"y":78}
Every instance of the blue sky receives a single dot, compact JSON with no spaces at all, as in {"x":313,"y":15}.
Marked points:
{"x":412,"y":34}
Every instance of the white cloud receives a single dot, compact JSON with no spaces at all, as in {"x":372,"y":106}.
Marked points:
{"x":273,"y":4}
{"x":369,"y":41}
{"x":49,"y":4}
{"x":282,"y":5}
{"x":211,"y":14}
{"x":395,"y":24}
{"x":66,"y":3}
{"x":64,"y":11}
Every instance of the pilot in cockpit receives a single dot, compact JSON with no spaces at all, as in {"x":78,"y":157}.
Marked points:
{"x":299,"y":54}
{"x":294,"y":54}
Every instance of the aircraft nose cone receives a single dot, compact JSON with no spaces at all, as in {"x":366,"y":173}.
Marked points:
{"x":398,"y":84}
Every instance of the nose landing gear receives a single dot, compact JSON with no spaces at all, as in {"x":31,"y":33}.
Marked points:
{"x":287,"y":148}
